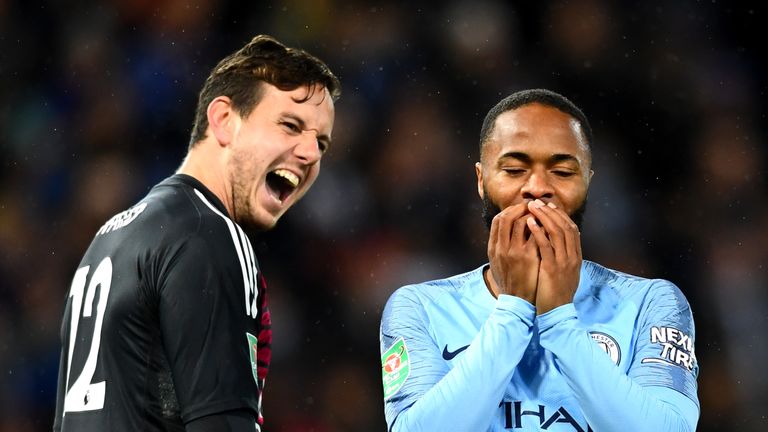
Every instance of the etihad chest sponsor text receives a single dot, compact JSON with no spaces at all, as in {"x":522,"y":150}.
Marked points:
{"x":514,"y":413}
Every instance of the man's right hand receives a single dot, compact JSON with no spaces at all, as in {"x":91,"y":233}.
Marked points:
{"x":513,"y":254}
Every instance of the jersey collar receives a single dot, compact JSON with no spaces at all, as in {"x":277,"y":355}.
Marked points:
{"x":196,"y":184}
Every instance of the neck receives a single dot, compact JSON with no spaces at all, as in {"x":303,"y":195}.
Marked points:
{"x":208,"y":168}
{"x":490,"y":283}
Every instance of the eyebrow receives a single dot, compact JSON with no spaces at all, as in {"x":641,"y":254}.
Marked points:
{"x":303,"y":126}
{"x":526,"y":158}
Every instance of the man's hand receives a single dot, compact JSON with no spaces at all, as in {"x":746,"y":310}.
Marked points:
{"x":514,"y":258}
{"x":559,"y":245}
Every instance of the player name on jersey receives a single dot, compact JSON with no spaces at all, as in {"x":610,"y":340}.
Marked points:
{"x":122,"y":219}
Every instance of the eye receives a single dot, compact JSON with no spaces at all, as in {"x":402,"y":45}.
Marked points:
{"x":514,"y":171}
{"x":291,"y":127}
{"x":563,"y":173}
{"x":322,"y":145}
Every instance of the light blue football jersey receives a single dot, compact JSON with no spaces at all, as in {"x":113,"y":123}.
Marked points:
{"x":619,"y":358}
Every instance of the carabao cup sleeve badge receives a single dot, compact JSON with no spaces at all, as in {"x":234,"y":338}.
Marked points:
{"x":253,"y":349}
{"x":395,"y":367}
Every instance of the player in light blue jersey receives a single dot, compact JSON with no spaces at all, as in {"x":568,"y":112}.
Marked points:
{"x":538,"y":339}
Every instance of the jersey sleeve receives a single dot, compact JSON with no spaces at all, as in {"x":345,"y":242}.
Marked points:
{"x":656,"y":393}
{"x":665,"y":355}
{"x":421,"y":392}
{"x":209,"y":333}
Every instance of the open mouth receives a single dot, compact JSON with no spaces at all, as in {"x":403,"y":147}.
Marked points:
{"x":282,"y":183}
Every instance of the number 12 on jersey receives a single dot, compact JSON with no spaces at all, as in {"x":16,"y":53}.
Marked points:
{"x":85,"y":395}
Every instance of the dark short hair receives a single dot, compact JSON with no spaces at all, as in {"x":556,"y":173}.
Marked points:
{"x":264,"y":59}
{"x":540,"y":96}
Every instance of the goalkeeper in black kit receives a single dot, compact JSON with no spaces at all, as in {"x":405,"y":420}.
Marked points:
{"x":166,"y":325}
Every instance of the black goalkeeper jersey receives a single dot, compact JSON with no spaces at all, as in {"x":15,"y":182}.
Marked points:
{"x":166,"y":318}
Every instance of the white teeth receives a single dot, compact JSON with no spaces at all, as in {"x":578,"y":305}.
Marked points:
{"x":292,"y":178}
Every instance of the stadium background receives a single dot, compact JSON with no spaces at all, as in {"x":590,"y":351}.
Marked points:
{"x":96,"y":106}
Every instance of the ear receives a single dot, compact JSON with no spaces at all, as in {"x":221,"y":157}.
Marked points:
{"x":222,"y":120}
{"x":479,"y":172}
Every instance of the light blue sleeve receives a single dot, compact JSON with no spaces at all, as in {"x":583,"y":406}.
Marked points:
{"x":655,"y":394}
{"x":435,"y":397}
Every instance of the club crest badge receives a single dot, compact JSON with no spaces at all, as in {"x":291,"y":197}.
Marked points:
{"x":608,"y":344}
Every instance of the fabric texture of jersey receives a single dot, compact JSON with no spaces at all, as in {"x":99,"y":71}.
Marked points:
{"x":166,"y":320}
{"x":620,"y":357}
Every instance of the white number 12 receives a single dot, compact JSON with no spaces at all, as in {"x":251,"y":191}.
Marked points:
{"x":85,"y":395}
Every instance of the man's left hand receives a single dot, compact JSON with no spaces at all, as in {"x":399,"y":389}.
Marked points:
{"x":559,"y":243}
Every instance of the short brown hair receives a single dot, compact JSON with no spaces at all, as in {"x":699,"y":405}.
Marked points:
{"x":264,"y":59}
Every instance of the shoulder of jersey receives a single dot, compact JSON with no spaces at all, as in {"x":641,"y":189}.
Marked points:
{"x":167,"y":210}
{"x":431,"y":291}
{"x":627,"y":284}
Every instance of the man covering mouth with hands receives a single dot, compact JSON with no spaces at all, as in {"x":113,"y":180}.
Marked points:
{"x":538,"y":338}
{"x":536,"y":165}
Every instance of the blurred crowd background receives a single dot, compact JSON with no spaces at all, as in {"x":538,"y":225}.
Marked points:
{"x":97,"y":101}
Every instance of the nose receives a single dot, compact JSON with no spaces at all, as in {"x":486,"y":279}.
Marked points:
{"x":307,"y":149}
{"x":537,"y":186}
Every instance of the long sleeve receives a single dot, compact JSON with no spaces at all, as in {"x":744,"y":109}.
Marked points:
{"x":658,"y":391}
{"x":434,"y":396}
